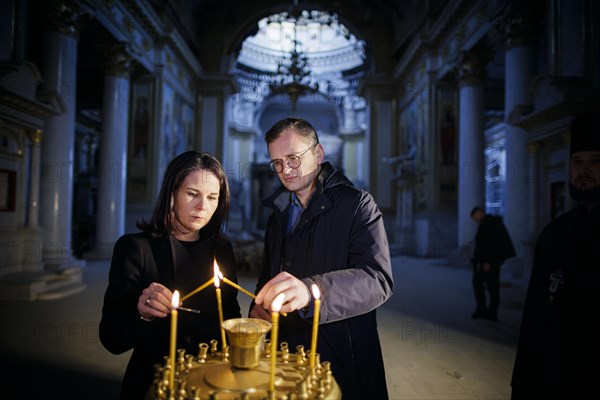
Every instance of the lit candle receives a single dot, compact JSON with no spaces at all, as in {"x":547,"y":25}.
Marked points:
{"x":275,"y":307}
{"x":313,"y":347}
{"x":199,"y":288}
{"x":217,"y":280}
{"x":173,"y":343}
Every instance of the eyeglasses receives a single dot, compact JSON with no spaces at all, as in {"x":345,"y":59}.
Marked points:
{"x":293,"y":161}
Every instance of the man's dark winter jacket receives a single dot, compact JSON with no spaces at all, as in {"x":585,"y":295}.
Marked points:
{"x":492,"y":241}
{"x":340,"y":244}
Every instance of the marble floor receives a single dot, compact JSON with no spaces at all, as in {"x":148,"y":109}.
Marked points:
{"x":432,"y":348}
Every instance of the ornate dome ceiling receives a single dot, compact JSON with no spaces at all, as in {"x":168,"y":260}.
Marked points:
{"x":328,"y":45}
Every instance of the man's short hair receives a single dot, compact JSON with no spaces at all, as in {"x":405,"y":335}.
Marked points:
{"x":474,"y":210}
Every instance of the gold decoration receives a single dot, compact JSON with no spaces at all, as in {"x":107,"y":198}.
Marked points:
{"x":36,"y":136}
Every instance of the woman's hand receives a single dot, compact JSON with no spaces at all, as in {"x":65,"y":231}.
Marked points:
{"x":155,"y":302}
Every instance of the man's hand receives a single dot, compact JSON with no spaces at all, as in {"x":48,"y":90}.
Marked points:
{"x":297,"y":294}
{"x":260,"y":313}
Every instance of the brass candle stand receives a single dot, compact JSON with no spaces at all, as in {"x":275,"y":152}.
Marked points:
{"x":242,"y":370}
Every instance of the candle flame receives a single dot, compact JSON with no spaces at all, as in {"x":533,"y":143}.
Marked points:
{"x":315,"y":292}
{"x":175,"y":299}
{"x":218,"y":274}
{"x":277,"y":302}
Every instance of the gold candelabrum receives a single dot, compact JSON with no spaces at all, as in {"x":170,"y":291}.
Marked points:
{"x":241,"y":371}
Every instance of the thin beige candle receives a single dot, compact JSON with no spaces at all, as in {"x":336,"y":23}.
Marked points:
{"x":275,"y":307}
{"x":313,"y":347}
{"x":217,"y":280}
{"x":199,"y":288}
{"x":238,"y":287}
{"x":241,"y":289}
{"x":173,"y":342}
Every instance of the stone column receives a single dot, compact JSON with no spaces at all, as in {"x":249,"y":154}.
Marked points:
{"x":353,"y":155}
{"x":212,"y":100}
{"x":471,"y":171}
{"x":353,"y":138}
{"x":515,"y":26}
{"x":7,"y":12}
{"x":382,"y":108}
{"x":533,"y":190}
{"x":110,"y":223}
{"x":34,"y":190}
{"x":60,"y":78}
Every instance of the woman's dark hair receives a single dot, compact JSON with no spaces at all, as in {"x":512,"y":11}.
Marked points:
{"x":161,"y":223}
{"x":302,"y":126}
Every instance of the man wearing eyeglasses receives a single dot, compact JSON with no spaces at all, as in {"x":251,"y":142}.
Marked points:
{"x":325,"y":231}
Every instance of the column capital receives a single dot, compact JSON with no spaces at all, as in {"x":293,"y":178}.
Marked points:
{"x":118,"y":59}
{"x":36,"y":136}
{"x":370,"y":87}
{"x":534,"y":147}
{"x":566,"y":137}
{"x":470,"y":69}
{"x":517,"y":22}
{"x":64,"y":16}
{"x":217,"y":84}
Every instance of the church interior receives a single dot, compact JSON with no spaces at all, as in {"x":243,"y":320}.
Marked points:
{"x":434,"y":107}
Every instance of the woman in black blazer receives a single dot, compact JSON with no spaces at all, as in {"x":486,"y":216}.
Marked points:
{"x":175,"y":250}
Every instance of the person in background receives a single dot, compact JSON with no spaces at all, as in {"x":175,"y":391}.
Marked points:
{"x":492,"y":247}
{"x":558,"y":337}
{"x":325,"y":231}
{"x":175,"y":251}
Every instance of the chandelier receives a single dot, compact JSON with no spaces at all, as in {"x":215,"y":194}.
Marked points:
{"x":294,"y":77}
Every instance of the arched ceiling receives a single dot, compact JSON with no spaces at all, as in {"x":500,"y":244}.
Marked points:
{"x":217,"y":28}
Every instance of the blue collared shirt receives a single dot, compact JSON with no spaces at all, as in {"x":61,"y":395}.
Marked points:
{"x":296,"y":210}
